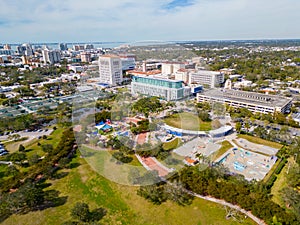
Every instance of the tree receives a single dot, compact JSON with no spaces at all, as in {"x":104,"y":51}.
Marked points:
{"x":120,"y":156}
{"x":204,"y":116}
{"x":154,"y":193}
{"x":81,"y":212}
{"x":21,"y":148}
{"x":33,"y":159}
{"x":247,"y":126}
{"x":11,"y":171}
{"x":238,"y":127}
{"x":177,"y":193}
{"x":47,"y":148}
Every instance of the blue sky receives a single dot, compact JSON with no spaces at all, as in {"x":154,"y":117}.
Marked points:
{"x":137,"y":20}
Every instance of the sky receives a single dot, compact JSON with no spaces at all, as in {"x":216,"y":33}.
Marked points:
{"x":143,"y":20}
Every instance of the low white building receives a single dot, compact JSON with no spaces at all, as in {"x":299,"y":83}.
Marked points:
{"x":205,"y":77}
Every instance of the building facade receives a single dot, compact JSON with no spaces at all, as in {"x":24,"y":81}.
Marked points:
{"x":255,"y":102}
{"x":85,"y":57}
{"x":51,"y":56}
{"x":110,"y":68}
{"x":205,"y":77}
{"x":128,"y":62}
{"x":163,"y":88}
{"x":171,"y":67}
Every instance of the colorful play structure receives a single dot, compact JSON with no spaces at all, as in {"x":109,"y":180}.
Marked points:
{"x":104,"y":126}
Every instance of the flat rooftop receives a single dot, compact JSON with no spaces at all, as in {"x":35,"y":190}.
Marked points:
{"x":247,"y":97}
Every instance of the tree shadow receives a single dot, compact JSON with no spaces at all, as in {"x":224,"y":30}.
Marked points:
{"x":74,"y":165}
{"x":97,"y":214}
{"x":59,"y":175}
{"x":28,"y":150}
{"x":52,"y":199}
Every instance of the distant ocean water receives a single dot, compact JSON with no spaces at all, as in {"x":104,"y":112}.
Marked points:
{"x":70,"y":45}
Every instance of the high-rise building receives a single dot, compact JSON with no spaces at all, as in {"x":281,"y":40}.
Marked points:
{"x":88,"y":46}
{"x":51,"y":56}
{"x":7,"y":47}
{"x":85,"y":57}
{"x":128,"y":62}
{"x":63,"y":46}
{"x":110,"y":68}
{"x":21,"y":50}
{"x":25,"y":49}
{"x":171,"y":67}
{"x":78,"y":47}
{"x":6,"y":52}
{"x":28,"y":50}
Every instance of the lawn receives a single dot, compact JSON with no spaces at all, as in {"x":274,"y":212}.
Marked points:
{"x":187,"y":121}
{"x":269,"y":174}
{"x":123,"y":205}
{"x":13,"y":146}
{"x":260,"y":141}
{"x":279,"y":184}
{"x":175,"y":143}
{"x":225,"y":146}
{"x":32,"y":145}
{"x":52,"y":139}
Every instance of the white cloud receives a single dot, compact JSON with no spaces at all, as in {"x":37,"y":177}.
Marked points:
{"x":117,"y":20}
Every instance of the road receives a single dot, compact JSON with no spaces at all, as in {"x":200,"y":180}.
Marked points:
{"x":30,"y":135}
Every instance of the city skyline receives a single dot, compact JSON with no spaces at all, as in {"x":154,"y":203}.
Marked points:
{"x":132,"y":20}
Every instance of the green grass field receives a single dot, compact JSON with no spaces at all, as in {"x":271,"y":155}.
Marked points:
{"x":269,"y":174}
{"x":175,"y":143}
{"x":260,"y":141}
{"x":279,"y":184}
{"x":187,"y":121}
{"x":224,"y":148}
{"x":123,"y":205}
{"x":32,"y":145}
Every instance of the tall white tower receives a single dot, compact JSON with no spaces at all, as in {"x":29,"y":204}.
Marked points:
{"x":110,"y":68}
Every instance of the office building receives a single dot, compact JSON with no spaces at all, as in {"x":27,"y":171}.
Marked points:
{"x":6,"y":52}
{"x":171,"y":67}
{"x":128,"y":62}
{"x":7,"y":47}
{"x":88,"y":46}
{"x":110,"y":68}
{"x":163,"y":88}
{"x":182,"y":74}
{"x":28,"y":49}
{"x":63,"y":47}
{"x":208,"y":78}
{"x":255,"y":102}
{"x":51,"y":56}
{"x":85,"y":57}
{"x":78,"y":47}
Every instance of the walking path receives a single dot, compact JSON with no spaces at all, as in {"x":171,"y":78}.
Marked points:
{"x":150,"y":163}
{"x":236,"y":207}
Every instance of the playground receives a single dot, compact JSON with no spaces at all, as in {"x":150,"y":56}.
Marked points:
{"x":250,"y":164}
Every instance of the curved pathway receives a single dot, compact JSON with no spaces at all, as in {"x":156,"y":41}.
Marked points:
{"x":235,"y":207}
